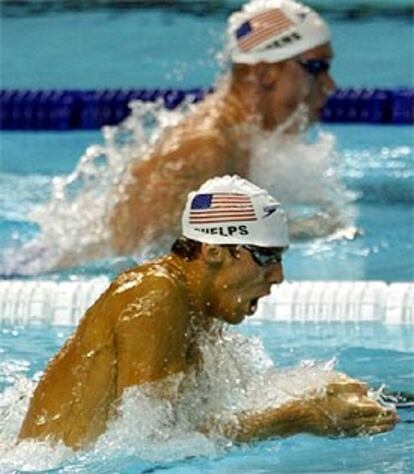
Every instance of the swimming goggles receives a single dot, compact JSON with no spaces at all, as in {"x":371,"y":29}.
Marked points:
{"x":315,"y":66}
{"x":265,"y":256}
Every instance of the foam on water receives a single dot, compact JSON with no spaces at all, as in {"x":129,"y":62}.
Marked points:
{"x":236,"y":375}
{"x":75,"y":218}
{"x":300,"y":172}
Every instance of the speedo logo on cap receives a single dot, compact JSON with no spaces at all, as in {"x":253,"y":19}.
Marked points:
{"x":217,"y":208}
{"x":269,"y":210}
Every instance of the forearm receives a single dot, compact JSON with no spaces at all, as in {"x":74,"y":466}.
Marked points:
{"x":339,"y":413}
{"x":286,"y":420}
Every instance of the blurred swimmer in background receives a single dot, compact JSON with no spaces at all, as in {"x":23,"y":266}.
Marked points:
{"x":281,"y":56}
{"x":157,"y":324}
{"x":252,"y":125}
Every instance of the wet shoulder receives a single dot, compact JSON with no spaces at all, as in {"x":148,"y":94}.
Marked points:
{"x":142,"y":290}
{"x":148,"y":295}
{"x":153,"y":279}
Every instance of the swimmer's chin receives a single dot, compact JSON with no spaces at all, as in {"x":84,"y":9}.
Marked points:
{"x":237,"y":316}
{"x":250,"y":310}
{"x":317,"y":115}
{"x":252,"y":307}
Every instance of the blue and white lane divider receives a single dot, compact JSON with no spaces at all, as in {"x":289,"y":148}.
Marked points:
{"x":64,"y":303}
{"x":92,"y":109}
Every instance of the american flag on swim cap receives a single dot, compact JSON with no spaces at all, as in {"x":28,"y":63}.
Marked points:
{"x":262,"y":27}
{"x":221,"y":207}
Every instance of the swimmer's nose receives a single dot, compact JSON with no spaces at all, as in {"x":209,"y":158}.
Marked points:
{"x":328,"y":84}
{"x":274,"y":273}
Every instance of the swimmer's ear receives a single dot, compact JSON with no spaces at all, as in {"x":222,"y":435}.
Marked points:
{"x":212,"y":254}
{"x":267,"y":74}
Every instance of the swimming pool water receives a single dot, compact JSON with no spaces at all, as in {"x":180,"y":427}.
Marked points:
{"x":109,"y":49}
{"x":372,"y":352}
{"x":132,"y":49}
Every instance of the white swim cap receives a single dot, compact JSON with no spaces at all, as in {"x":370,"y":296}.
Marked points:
{"x":231,"y":210}
{"x":274,"y":30}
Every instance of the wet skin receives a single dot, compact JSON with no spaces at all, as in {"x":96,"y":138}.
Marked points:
{"x":145,"y":327}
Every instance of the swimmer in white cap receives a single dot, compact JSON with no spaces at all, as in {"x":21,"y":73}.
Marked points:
{"x":147,"y":327}
{"x":281,"y":56}
{"x":284,"y":48}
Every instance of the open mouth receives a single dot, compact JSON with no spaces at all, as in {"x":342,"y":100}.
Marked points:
{"x":253,"y":305}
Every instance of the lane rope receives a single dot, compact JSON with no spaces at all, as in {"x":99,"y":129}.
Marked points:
{"x":92,"y":109}
{"x":64,"y":302}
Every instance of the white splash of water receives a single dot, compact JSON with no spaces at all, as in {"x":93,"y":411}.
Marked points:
{"x":239,"y":375}
{"x":150,"y":428}
{"x":74,"y":221}
{"x":27,"y":455}
{"x":303,"y":174}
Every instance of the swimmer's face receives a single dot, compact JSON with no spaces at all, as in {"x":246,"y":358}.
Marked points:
{"x":239,"y":284}
{"x":296,"y":82}
{"x":319,"y":84}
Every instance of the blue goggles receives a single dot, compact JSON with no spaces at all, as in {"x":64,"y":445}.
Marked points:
{"x":314,"y":66}
{"x":265,"y":256}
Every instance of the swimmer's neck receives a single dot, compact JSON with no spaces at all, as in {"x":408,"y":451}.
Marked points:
{"x":197,"y":279}
{"x":234,"y":108}
{"x":241,"y":104}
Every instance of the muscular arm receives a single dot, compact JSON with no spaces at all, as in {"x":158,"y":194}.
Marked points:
{"x":344,"y":410}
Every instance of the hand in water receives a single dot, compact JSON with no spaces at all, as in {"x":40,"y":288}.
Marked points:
{"x":322,"y":225}
{"x":343,"y":410}
{"x":347,"y":233}
{"x":347,"y":410}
